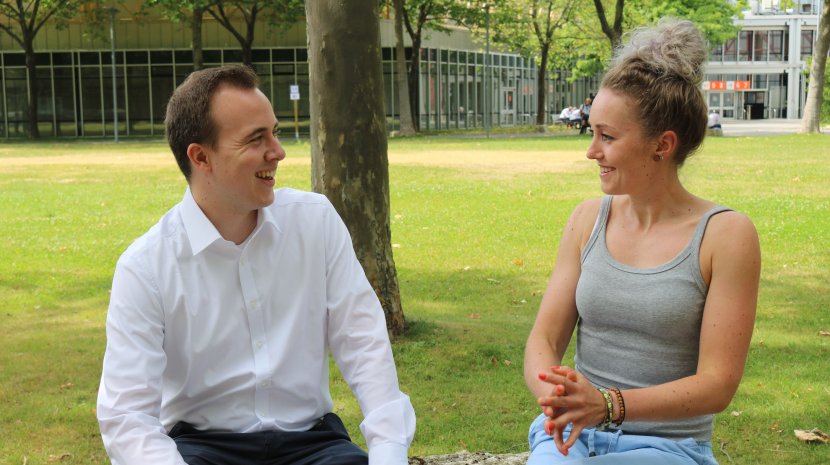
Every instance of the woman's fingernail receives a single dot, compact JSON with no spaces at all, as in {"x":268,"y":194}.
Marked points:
{"x":543,"y":376}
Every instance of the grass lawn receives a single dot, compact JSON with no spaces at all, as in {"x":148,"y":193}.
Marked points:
{"x":475,"y":225}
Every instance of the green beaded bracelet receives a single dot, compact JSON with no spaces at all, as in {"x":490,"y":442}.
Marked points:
{"x":609,"y":409}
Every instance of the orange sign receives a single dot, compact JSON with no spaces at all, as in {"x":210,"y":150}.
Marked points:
{"x":742,"y":85}
{"x":717,"y":85}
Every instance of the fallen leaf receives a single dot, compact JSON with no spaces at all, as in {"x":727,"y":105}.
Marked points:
{"x":494,"y":360}
{"x":396,"y":246}
{"x":59,"y":458}
{"x":507,"y":362}
{"x":824,"y":333}
{"x":466,"y":268}
{"x":474,"y":316}
{"x":66,"y":386}
{"x":519,"y":262}
{"x":737,"y":413}
{"x":814,"y":435}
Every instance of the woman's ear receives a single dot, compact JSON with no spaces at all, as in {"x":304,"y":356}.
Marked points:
{"x":666,"y":144}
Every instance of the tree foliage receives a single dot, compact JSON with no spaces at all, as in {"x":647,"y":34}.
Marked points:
{"x":585,"y":43}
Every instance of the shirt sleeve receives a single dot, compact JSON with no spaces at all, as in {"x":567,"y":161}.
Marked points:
{"x":129,"y":396}
{"x":360,"y":346}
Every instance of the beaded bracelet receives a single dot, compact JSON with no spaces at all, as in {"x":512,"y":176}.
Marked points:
{"x":609,"y":409}
{"x":621,"y":403}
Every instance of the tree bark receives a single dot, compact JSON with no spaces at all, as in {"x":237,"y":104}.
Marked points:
{"x":811,"y":120}
{"x":613,"y":32}
{"x":196,"y":31}
{"x":413,"y":73}
{"x":31,"y":78}
{"x":402,"y":78}
{"x":541,"y":90}
{"x":348,"y":135}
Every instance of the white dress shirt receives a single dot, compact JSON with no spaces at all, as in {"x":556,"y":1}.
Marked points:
{"x":236,"y":337}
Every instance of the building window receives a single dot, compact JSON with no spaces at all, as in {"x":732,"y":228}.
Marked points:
{"x":806,"y":44}
{"x":776,"y":45}
{"x":730,"y":50}
{"x":745,"y":46}
{"x":760,"y":49}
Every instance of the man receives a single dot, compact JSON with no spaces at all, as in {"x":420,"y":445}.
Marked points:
{"x":221,"y":315}
{"x":585,"y":111}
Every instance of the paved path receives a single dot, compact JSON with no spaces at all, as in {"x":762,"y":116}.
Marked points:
{"x":762,"y":127}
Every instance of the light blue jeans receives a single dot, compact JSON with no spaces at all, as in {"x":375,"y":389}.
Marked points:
{"x":615,"y":448}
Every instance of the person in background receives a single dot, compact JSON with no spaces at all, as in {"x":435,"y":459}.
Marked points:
{"x":660,"y":285}
{"x":565,"y":116}
{"x":222,"y":315}
{"x":585,"y":114}
{"x":714,"y":120}
{"x":575,"y":118}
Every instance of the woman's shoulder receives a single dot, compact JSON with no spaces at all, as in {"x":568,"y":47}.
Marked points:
{"x":730,"y":237}
{"x":583,"y":218}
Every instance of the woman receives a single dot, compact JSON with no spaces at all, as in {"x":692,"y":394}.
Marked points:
{"x":663,"y":312}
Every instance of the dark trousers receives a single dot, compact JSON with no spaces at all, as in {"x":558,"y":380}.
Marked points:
{"x":327,"y":443}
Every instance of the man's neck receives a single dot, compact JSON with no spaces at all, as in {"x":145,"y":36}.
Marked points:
{"x":233,"y":225}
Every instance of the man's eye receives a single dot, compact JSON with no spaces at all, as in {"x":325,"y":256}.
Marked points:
{"x":276,"y":132}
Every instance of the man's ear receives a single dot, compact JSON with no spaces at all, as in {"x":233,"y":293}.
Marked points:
{"x":199,"y":157}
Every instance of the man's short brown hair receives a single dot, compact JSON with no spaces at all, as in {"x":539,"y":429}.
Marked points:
{"x":188,"y":119}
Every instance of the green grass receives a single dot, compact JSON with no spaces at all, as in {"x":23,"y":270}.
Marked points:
{"x":474,"y":250}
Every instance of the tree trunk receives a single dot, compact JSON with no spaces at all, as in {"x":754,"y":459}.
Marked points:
{"x":407,"y":127}
{"x":31,"y":78}
{"x":541,"y":91}
{"x":348,"y":135}
{"x":811,"y":120}
{"x":413,"y":76}
{"x":196,"y":31}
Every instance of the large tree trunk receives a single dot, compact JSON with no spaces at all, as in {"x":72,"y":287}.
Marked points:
{"x":811,"y":121}
{"x":407,"y":127}
{"x":31,"y":77}
{"x":196,"y":31}
{"x":348,"y":135}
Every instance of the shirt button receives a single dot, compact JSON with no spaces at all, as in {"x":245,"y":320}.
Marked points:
{"x":264,"y":383}
{"x":254,"y":303}
{"x":258,"y":344}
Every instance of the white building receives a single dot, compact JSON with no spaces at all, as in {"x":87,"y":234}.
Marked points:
{"x":762,"y":72}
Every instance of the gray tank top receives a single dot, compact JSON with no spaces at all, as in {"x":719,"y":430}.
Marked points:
{"x":640,"y":327}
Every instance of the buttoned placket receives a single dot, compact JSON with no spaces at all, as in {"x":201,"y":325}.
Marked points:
{"x":259,"y":341}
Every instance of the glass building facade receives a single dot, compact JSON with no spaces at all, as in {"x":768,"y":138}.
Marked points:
{"x":75,"y":89}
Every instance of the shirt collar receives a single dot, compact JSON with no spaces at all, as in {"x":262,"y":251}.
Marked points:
{"x":201,"y":232}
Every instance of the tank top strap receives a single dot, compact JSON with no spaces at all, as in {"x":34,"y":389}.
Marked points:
{"x":700,"y":230}
{"x":599,"y":226}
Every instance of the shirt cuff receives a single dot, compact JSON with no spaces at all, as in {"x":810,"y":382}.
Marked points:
{"x":388,"y":453}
